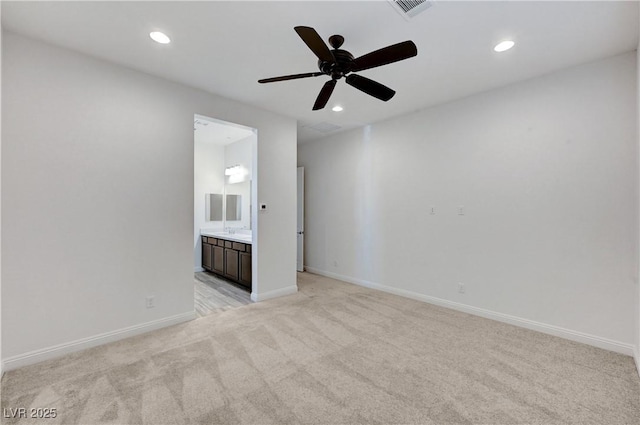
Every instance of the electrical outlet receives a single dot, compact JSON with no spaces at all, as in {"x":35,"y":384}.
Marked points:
{"x":151,"y":301}
{"x":461,"y":287}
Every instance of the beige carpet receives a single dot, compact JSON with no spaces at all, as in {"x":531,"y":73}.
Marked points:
{"x":333,"y":354}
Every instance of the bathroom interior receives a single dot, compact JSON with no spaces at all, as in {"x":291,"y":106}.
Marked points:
{"x":224,"y":157}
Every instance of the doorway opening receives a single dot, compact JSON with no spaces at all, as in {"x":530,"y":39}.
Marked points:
{"x":224,"y":214}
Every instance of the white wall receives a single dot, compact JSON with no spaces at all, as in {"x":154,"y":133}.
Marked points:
{"x":546,"y":172}
{"x":240,"y":153}
{"x":637,"y":297}
{"x":1,"y":355}
{"x":208,"y":165}
{"x":97,"y":199}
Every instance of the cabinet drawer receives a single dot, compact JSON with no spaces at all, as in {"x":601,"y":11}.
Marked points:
{"x":220,"y":242}
{"x":238,"y":246}
{"x":228,"y":244}
{"x":248,"y":248}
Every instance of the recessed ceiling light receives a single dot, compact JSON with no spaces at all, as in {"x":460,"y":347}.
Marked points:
{"x":159,"y":37}
{"x":337,"y":108}
{"x":504,"y":45}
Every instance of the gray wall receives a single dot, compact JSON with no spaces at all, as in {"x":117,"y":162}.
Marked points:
{"x":97,"y":199}
{"x":546,"y":172}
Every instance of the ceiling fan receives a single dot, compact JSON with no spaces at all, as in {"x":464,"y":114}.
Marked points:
{"x":337,"y":63}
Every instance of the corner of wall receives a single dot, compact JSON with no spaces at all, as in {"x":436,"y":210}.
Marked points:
{"x":1,"y":364}
{"x":637,"y":280}
{"x":276,"y":293}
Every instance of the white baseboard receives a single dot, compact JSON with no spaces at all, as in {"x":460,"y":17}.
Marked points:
{"x":596,"y":341}
{"x":48,"y":353}
{"x":636,"y":357}
{"x":198,"y":269}
{"x":289,"y":290}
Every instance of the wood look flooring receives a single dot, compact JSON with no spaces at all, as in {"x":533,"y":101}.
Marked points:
{"x":213,"y":294}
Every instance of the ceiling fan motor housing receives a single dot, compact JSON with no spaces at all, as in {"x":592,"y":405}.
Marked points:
{"x":341,"y":66}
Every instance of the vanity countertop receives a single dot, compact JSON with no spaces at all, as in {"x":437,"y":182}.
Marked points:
{"x":236,"y":237}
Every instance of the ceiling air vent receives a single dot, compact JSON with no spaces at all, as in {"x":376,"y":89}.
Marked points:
{"x":323,"y":127}
{"x":410,"y":8}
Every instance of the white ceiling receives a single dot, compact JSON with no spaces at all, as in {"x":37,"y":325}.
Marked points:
{"x":225,"y":47}
{"x":207,"y":130}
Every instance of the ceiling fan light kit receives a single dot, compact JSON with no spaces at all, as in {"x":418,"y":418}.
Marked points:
{"x":338,"y":63}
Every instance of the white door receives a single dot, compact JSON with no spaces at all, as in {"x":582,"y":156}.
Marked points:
{"x":300,"y":234}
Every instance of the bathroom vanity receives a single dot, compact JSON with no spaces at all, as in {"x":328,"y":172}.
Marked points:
{"x":229,"y":256}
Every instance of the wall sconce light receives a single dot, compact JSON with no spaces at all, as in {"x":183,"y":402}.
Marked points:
{"x":231,"y":171}
{"x":236,"y":174}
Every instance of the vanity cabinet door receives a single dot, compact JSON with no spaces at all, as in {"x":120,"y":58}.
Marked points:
{"x":231,"y":264}
{"x":245,"y":269}
{"x":218,"y":259}
{"x":206,"y":256}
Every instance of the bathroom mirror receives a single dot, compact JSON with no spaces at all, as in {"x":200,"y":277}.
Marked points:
{"x":234,"y":208}
{"x":213,"y":207}
{"x":238,"y":208}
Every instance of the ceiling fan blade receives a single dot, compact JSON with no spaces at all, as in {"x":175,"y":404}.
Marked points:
{"x":315,"y":43}
{"x":370,"y":87}
{"x":290,"y":77}
{"x":324,"y":95}
{"x":384,"y":56}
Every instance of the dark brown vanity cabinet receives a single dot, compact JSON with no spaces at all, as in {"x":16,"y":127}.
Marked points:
{"x":229,"y":259}
{"x":231,"y":264}
{"x":218,"y":260}
{"x":245,"y":268}
{"x":207,"y":255}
